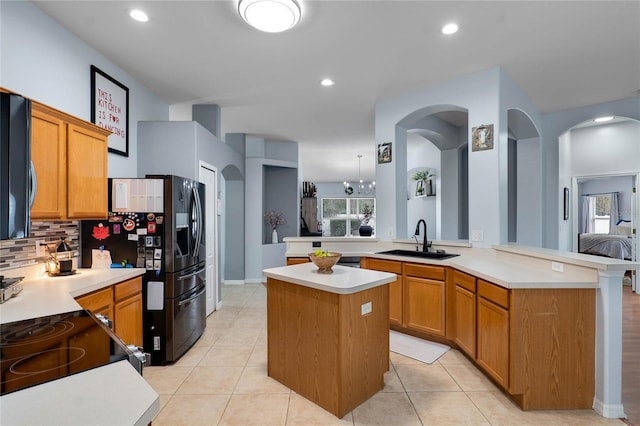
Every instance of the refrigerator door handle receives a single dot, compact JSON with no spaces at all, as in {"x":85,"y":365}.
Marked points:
{"x":192,"y":298}
{"x":33,"y":178}
{"x":199,"y":218}
{"x":184,"y":277}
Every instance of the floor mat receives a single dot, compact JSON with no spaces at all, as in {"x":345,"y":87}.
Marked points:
{"x":413,"y":347}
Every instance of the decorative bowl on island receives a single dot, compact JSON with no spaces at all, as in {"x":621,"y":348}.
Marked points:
{"x":325,"y":260}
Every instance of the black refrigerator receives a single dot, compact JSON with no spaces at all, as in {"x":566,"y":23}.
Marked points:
{"x":157,"y":223}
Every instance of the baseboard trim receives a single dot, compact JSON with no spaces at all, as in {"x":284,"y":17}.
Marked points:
{"x":233,"y":282}
{"x":610,"y":411}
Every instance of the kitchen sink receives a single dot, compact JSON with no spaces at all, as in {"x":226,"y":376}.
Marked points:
{"x":421,"y":254}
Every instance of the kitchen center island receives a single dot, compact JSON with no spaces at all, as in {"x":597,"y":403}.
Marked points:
{"x":328,"y":334}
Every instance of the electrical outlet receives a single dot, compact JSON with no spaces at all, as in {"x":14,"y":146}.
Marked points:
{"x":316,"y":244}
{"x":41,"y":250}
{"x":477,"y":235}
{"x":557,"y":266}
{"x":365,"y":308}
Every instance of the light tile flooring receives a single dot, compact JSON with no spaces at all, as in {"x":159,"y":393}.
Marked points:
{"x":223,"y":380}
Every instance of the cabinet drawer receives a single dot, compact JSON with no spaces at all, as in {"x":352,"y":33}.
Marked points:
{"x":97,"y":300}
{"x":424,"y":271}
{"x":297,"y":260}
{"x":128,"y":288}
{"x":464,"y":280}
{"x":384,"y":265}
{"x":496,"y":294}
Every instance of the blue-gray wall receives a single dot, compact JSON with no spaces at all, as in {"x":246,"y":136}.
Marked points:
{"x":44,"y":61}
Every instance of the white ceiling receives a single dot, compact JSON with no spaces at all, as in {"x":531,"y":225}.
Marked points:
{"x":563,"y":54}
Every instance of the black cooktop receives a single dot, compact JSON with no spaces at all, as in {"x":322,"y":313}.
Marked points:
{"x":39,"y":350}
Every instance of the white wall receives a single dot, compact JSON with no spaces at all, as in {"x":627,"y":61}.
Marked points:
{"x":554,"y":169}
{"x":607,"y":149}
{"x":44,"y":61}
{"x":422,"y":154}
{"x":480,"y":94}
{"x":528,"y":190}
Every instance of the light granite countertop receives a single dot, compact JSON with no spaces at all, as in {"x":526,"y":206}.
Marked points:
{"x":343,"y":280}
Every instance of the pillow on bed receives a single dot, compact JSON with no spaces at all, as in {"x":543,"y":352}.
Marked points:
{"x":622,"y":229}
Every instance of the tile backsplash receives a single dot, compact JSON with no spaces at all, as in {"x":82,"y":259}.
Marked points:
{"x":22,"y":252}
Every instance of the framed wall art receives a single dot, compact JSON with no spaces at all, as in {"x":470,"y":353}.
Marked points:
{"x":110,"y":109}
{"x":482,"y":137}
{"x":384,"y":153}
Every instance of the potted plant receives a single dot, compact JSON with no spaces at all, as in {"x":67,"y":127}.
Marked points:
{"x":423,"y":182}
{"x":365,"y":229}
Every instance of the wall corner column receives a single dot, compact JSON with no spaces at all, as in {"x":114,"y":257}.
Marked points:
{"x":608,"y":392}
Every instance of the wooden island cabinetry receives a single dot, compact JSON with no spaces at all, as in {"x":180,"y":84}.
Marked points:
{"x":122,"y":303}
{"x":70,"y":159}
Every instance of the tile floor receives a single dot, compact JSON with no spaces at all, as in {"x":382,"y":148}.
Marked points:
{"x":223,"y":380}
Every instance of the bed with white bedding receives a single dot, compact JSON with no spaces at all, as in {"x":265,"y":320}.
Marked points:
{"x":616,"y":244}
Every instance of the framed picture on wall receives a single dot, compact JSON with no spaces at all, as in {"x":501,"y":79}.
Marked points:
{"x":110,"y":109}
{"x":384,"y":153}
{"x":482,"y":137}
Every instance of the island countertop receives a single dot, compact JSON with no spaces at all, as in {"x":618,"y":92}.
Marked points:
{"x":343,"y":280}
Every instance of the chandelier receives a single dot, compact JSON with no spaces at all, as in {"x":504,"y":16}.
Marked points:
{"x":362,"y":188}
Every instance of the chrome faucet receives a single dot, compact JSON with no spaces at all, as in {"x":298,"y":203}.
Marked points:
{"x":425,"y":244}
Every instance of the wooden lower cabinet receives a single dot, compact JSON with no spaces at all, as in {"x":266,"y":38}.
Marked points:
{"x":493,"y":340}
{"x":297,"y":260}
{"x":464,"y":318}
{"x":128,"y":311}
{"x":121,"y":303}
{"x":424,"y":298}
{"x":98,"y":302}
{"x":395,"y":288}
{"x":537,"y":344}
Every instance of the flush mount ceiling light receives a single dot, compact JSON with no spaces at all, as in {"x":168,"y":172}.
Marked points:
{"x":271,"y":16}
{"x":450,"y":29}
{"x":603,"y":119}
{"x":327,"y":82}
{"x":139,"y":15}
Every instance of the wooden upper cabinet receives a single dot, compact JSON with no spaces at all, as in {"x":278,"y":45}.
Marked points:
{"x":70,"y":158}
{"x":48,"y":153}
{"x":86,"y":173}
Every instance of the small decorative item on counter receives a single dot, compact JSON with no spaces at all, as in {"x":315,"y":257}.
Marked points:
{"x":61,"y":261}
{"x":325,"y":260}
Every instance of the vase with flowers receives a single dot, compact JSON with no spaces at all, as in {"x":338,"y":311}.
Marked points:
{"x":275,"y":219}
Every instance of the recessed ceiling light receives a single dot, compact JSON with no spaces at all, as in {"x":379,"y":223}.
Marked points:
{"x":603,"y":119}
{"x":139,"y":15}
{"x":327,"y":82}
{"x":450,"y":29}
{"x":271,"y":16}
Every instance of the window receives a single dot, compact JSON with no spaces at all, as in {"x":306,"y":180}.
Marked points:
{"x":600,"y":213}
{"x":343,"y":216}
